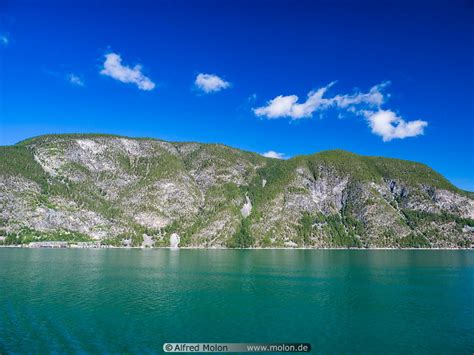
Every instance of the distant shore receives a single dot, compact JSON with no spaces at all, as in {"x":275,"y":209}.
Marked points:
{"x":222,"y":248}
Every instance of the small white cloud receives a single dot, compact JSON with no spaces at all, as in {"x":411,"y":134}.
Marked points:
{"x":210,"y":83}
{"x":75,"y":80}
{"x":384,"y":123}
{"x":388,"y":125}
{"x":4,"y":39}
{"x":287,"y":106}
{"x":273,"y":154}
{"x":252,"y":98}
{"x":374,"y":97}
{"x":113,"y":67}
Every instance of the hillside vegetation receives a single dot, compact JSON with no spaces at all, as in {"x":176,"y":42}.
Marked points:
{"x":84,"y":187}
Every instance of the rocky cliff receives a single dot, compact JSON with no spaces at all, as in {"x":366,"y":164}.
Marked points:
{"x":110,"y":188}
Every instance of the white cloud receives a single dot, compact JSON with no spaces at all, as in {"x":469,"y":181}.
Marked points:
{"x":374,"y":97}
{"x":388,"y":125}
{"x":384,"y":123}
{"x":288,"y":106}
{"x":252,"y":97}
{"x":113,"y":67}
{"x":210,"y":83}
{"x":273,"y":154}
{"x":75,"y":80}
{"x":4,"y":39}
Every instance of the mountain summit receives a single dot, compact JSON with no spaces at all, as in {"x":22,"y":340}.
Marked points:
{"x":85,"y":187}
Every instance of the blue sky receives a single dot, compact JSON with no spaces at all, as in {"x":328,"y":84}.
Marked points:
{"x":387,"y":78}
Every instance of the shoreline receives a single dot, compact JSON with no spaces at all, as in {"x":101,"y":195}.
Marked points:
{"x":215,"y":248}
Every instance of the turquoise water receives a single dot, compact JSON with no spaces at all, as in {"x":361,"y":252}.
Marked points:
{"x":135,"y":300}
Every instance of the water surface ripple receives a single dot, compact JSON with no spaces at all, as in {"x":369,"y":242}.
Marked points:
{"x":351,"y":301}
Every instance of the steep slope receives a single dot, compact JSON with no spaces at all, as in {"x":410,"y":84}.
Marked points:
{"x":110,"y":188}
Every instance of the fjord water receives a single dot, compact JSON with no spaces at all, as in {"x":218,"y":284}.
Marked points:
{"x":120,"y":300}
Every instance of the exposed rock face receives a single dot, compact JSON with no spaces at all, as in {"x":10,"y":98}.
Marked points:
{"x":147,"y":241}
{"x":247,"y":208}
{"x":174,"y":240}
{"x":146,"y":192}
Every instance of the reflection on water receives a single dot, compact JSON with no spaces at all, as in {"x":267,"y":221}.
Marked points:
{"x":135,"y":300}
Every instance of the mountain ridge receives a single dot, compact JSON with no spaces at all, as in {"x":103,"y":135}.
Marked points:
{"x":114,"y":188}
{"x":28,"y":141}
